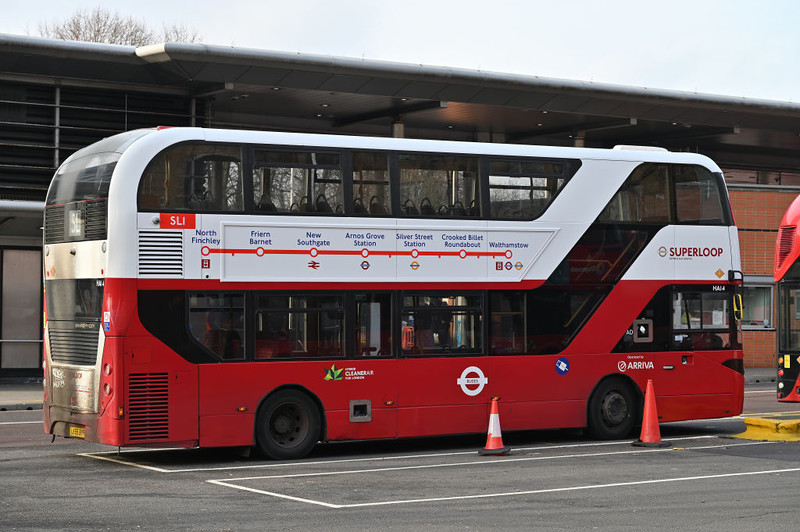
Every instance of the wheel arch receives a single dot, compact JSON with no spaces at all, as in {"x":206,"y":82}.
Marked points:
{"x":634,"y":386}
{"x":323,"y":429}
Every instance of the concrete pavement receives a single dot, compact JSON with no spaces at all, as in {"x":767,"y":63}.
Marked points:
{"x":28,"y":395}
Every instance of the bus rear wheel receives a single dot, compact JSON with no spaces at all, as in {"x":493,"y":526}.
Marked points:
{"x":612,"y":410}
{"x":287,"y":425}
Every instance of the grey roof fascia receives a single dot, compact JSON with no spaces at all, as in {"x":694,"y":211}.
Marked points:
{"x":67,"y":49}
{"x":193,"y":53}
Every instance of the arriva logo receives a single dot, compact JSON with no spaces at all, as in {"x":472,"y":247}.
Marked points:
{"x":634,"y":364}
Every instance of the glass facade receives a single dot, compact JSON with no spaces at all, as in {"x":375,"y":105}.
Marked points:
{"x":21,"y":323}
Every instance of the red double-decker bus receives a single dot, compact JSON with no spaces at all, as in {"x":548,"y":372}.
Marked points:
{"x":232,"y":288}
{"x":787,"y":277}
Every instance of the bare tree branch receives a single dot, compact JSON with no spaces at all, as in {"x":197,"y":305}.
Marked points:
{"x":103,"y":26}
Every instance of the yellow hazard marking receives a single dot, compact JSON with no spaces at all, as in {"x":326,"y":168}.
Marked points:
{"x":777,"y":428}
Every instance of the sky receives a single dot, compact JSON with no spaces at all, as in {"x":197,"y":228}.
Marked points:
{"x":740,"y":48}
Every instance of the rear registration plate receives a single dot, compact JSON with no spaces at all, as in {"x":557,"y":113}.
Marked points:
{"x":77,"y":432}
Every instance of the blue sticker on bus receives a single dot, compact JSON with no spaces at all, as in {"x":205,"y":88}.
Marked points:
{"x":562,"y":366}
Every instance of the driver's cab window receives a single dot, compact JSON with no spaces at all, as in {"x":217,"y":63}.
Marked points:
{"x":684,"y":318}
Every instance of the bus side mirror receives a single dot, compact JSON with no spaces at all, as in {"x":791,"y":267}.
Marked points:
{"x":737,"y":306}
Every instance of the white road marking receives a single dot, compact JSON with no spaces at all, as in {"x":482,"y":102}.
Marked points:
{"x":574,"y":488}
{"x":123,"y":462}
{"x":639,"y":450}
{"x":278,"y":495}
{"x":20,"y":422}
{"x":101,"y":456}
{"x":230,"y":482}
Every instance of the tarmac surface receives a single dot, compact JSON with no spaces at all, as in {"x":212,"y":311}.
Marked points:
{"x":27,"y":395}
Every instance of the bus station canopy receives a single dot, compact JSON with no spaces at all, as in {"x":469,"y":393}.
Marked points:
{"x":262,"y":89}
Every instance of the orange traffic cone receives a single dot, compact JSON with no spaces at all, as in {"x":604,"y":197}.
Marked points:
{"x":494,"y":440}
{"x":651,"y":435}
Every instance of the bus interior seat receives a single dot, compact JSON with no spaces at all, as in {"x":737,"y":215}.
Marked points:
{"x":209,"y":203}
{"x":265,"y":204}
{"x":425,"y":207}
{"x":376,"y":207}
{"x":358,"y":206}
{"x":305,"y":205}
{"x":458,"y":209}
{"x":322,"y":205}
{"x":409,"y":209}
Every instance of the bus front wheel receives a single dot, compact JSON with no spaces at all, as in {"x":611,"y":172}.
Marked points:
{"x":287,"y":425}
{"x":612,"y":410}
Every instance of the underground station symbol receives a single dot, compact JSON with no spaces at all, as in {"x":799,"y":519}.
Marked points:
{"x":472,"y":376}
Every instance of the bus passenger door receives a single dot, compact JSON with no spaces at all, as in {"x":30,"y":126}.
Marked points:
{"x":368,"y":387}
{"x":441,"y":379}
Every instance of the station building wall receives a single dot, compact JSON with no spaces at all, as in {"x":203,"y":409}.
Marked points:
{"x":758,"y":211}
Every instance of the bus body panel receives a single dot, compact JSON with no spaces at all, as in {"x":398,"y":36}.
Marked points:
{"x":160,"y":393}
{"x":336,"y":384}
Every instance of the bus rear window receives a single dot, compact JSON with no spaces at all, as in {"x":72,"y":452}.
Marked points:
{"x":86,"y":178}
{"x":74,"y":299}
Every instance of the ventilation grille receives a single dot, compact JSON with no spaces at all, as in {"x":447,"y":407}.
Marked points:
{"x":160,"y":254}
{"x":74,"y":346}
{"x":93,"y":213}
{"x":54,"y":224}
{"x":148,"y":406}
{"x":785,"y":243}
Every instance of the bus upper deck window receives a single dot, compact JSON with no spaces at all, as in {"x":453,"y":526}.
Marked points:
{"x":697,"y":196}
{"x":298,"y":182}
{"x":523,"y":188}
{"x":371,"y":183}
{"x":643,"y":198}
{"x":197,"y":177}
{"x":439,"y":185}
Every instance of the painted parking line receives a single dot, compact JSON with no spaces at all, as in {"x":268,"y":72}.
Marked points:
{"x":530,"y":492}
{"x":233,"y":483}
{"x":99,"y":456}
{"x":121,"y":457}
{"x":779,"y":413}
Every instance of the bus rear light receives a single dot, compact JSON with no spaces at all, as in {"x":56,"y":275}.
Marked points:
{"x":107,"y":369}
{"x":121,"y":412}
{"x":780,"y":385}
{"x":780,"y":372}
{"x":242,"y":409}
{"x":107,"y":389}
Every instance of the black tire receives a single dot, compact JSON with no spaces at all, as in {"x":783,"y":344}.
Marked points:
{"x":287,"y":425}
{"x":612,"y":412}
